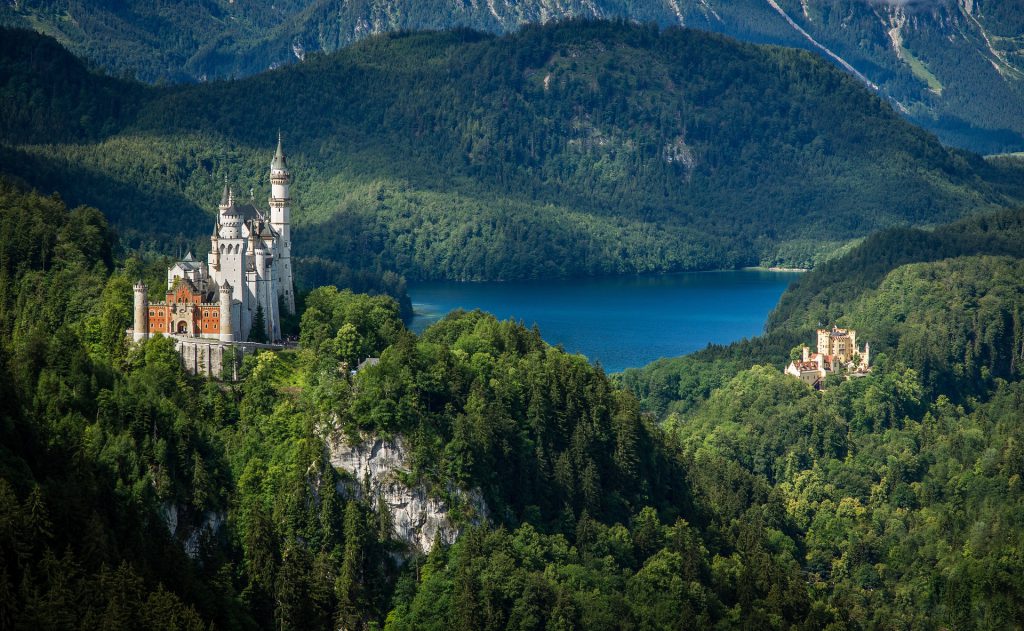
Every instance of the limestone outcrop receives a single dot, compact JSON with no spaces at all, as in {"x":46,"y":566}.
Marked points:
{"x":377,"y":470}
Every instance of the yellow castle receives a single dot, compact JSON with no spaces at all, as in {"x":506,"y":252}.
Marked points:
{"x":837,"y":348}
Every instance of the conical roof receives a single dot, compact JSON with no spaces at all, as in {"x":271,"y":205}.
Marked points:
{"x":225,"y":198}
{"x":279,"y":163}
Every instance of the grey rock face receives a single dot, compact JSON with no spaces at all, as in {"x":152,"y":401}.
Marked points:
{"x":377,"y":467}
{"x":191,"y":537}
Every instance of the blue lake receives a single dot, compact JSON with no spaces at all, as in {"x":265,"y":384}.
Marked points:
{"x":622,"y":322}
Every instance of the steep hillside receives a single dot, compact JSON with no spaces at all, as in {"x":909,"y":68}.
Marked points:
{"x":134,"y":496}
{"x":573,"y":149}
{"x":953,"y":65}
{"x":908,"y":290}
{"x":905,"y":483}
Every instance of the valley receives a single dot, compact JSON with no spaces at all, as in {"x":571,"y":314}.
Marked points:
{"x":562,"y":151}
{"x":225,"y":401}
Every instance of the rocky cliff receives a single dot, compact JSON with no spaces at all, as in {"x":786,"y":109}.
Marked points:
{"x":377,"y":469}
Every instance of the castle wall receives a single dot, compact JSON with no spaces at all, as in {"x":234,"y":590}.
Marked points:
{"x":201,"y":318}
{"x":216,"y":359}
{"x":232,"y":267}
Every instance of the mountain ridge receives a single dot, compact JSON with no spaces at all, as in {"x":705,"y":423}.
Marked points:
{"x":573,"y":149}
{"x":954,"y":66}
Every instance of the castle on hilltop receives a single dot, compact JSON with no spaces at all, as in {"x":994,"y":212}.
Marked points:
{"x":236,"y":295}
{"x":837,"y":349}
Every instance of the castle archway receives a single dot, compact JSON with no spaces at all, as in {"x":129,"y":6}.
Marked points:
{"x":182,"y":328}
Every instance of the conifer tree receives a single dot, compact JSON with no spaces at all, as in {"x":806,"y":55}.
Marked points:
{"x":350,"y":587}
{"x":258,"y":333}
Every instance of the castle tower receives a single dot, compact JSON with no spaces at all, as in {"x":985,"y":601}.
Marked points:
{"x":227,"y":329}
{"x":141,"y":328}
{"x":280,"y":219}
{"x":232,"y":250}
{"x":226,"y":198}
{"x":214,"y":259}
{"x":824,"y":342}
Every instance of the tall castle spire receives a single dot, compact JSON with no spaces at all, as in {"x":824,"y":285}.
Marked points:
{"x":280,"y":219}
{"x":227,"y":198}
{"x":279,"y":163}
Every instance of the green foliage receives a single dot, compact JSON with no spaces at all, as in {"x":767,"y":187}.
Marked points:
{"x":542,"y":433}
{"x":97,"y":441}
{"x":958,"y":322}
{"x":258,"y":332}
{"x":339,"y":326}
{"x":973,"y":53}
{"x":894,"y":499}
{"x":820,"y":296}
{"x":571,"y":149}
{"x":896,"y":484}
{"x":891,"y":492}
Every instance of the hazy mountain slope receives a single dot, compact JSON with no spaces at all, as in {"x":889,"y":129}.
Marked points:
{"x":571,"y":149}
{"x":955,"y":66}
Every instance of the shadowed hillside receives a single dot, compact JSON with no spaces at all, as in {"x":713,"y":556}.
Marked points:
{"x":573,"y":149}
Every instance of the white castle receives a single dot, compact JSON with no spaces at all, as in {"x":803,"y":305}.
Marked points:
{"x":245,"y":278}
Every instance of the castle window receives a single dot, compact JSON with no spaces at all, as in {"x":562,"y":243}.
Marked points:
{"x":152,"y":313}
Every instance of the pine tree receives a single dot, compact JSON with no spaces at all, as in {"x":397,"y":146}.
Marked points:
{"x":258,"y":333}
{"x":351,"y":583}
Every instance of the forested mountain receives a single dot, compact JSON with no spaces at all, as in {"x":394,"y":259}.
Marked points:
{"x":905,"y":483}
{"x":135,"y":496}
{"x":826,"y":295}
{"x":955,"y":66}
{"x":575,"y":149}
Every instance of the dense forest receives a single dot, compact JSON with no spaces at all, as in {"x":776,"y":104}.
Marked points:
{"x":135,"y":496}
{"x":822,"y":296}
{"x":574,"y":149}
{"x":708,"y":491}
{"x":953,"y":67}
{"x":905,"y":484}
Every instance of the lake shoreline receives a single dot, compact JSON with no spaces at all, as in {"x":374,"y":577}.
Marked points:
{"x":622,"y":321}
{"x":758,"y":268}
{"x":751,"y":268}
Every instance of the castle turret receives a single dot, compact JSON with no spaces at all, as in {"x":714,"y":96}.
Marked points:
{"x":227,"y":329}
{"x":230,"y":223}
{"x":226,"y":197}
{"x":280,"y":219}
{"x":140,"y":330}
{"x":259,"y":259}
{"x":215,"y":247}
